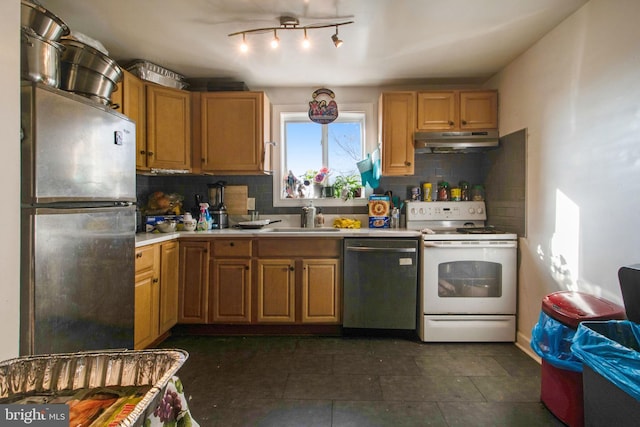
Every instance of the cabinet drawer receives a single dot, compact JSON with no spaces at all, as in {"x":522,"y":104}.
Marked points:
{"x":299,"y":247}
{"x":145,"y":257}
{"x":232,"y":247}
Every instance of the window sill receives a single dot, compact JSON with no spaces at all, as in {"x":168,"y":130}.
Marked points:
{"x":322,"y":202}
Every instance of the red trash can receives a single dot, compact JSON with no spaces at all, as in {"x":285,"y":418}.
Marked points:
{"x":561,"y":389}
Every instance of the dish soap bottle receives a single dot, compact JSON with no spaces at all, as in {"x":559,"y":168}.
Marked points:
{"x":203,"y":224}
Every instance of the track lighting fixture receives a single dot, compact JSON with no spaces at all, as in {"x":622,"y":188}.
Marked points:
{"x":336,"y":41}
{"x":290,"y":23}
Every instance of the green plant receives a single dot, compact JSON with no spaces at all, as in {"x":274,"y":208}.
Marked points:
{"x":345,"y":187}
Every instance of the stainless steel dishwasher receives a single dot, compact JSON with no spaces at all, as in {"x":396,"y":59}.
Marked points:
{"x":380,"y":283}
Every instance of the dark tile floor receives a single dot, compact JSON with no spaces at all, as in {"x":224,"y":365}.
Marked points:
{"x":358,"y":381}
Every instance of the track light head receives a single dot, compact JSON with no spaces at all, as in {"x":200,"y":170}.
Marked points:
{"x":276,"y":41}
{"x":244,"y":47}
{"x":336,"y":41}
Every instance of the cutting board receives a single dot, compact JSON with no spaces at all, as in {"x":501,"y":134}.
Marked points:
{"x":235,"y":199}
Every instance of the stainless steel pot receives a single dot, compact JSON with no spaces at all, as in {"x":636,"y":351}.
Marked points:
{"x":92,"y":59}
{"x":87,"y":83}
{"x":88,"y":72}
{"x":40,"y":59}
{"x":42,"y":21}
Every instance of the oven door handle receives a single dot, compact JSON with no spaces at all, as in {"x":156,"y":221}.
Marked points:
{"x":471,"y":244}
{"x":389,"y":250}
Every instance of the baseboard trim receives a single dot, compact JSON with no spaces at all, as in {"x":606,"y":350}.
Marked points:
{"x":523,"y":342}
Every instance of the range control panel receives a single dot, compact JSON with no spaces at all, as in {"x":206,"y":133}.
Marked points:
{"x":446,"y":211}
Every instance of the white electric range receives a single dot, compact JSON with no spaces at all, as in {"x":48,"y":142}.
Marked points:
{"x":469,"y":273}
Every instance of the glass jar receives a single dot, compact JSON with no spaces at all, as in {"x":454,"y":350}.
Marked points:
{"x":477,"y":193}
{"x":443,"y":191}
{"x":465,"y":193}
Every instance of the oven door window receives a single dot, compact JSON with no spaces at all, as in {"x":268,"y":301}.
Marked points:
{"x":470,"y":279}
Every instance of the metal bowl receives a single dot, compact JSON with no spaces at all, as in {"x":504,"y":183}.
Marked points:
{"x":166,"y":226}
{"x":40,"y":59}
{"x":86,"y":82}
{"x":42,"y":21}
{"x":92,"y":59}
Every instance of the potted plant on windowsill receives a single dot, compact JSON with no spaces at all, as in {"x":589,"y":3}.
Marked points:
{"x":347,"y":187}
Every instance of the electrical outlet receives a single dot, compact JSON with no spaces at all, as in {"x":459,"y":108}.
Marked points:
{"x":251,"y":203}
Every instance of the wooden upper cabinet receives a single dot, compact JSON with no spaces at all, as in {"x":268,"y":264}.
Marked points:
{"x":234,"y":127}
{"x":130,"y":99}
{"x":168,"y":127}
{"x":457,"y":110}
{"x":397,"y":120}
{"x":479,"y":110}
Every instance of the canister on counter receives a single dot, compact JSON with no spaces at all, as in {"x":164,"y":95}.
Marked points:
{"x":426,"y":191}
{"x":456,"y":194}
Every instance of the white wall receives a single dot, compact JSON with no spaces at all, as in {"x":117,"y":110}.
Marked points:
{"x":10,"y":178}
{"x":577,"y":91}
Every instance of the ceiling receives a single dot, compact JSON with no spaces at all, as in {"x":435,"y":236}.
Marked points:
{"x":391,"y":42}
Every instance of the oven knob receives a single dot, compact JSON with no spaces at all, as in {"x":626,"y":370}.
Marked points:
{"x":480,"y":210}
{"x":472,"y":211}
{"x":421,"y":211}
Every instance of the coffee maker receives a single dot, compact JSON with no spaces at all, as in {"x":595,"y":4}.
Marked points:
{"x":218,"y":210}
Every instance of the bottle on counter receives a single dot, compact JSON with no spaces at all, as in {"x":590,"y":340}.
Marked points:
{"x":465,"y":191}
{"x":477,"y":193}
{"x":443,"y":191}
{"x":426,"y":191}
{"x":319,"y":218}
{"x":203,"y":224}
{"x":395,"y":218}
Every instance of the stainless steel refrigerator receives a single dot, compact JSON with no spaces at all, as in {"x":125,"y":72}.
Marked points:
{"x":77,"y":224}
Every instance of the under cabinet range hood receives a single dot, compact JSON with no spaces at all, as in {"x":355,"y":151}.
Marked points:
{"x":455,"y":142}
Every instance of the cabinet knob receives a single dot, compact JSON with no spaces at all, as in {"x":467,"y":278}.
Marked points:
{"x":407,"y":163}
{"x":450,"y":123}
{"x":246,"y":267}
{"x":464,"y":122}
{"x":156,"y":280}
{"x":232,"y":244}
{"x":139,"y":255}
{"x":149,"y":153}
{"x":143,"y":152}
{"x":291,"y":268}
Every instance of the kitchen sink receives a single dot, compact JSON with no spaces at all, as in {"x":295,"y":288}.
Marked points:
{"x":300,"y":230}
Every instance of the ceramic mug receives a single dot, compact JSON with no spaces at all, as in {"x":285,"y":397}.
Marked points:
{"x":189,"y":224}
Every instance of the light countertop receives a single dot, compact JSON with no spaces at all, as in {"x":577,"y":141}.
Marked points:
{"x":143,"y":239}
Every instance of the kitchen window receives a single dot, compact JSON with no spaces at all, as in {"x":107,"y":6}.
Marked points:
{"x":304,"y":147}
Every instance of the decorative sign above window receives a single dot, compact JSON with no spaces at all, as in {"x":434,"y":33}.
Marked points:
{"x":323,"y":109}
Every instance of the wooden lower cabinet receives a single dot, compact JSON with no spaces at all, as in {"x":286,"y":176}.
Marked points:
{"x":321,"y":291}
{"x":156,"y":292}
{"x":193,"y":282}
{"x":260,"y":281}
{"x":276,"y":291}
{"x":230,"y":298}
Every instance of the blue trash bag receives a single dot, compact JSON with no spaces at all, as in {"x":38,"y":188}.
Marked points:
{"x":611,"y":349}
{"x":552,"y":341}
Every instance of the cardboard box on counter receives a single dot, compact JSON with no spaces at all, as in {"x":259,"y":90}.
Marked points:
{"x":379,"y":211}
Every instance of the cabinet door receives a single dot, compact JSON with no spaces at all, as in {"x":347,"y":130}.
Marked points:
{"x":231,"y":291}
{"x":130,"y":97}
{"x":193,"y":286}
{"x":169,"y":276}
{"x":397,"y":120}
{"x":321,"y":291}
{"x":437,"y":110}
{"x":232,"y":131}
{"x":479,"y":110}
{"x":168,"y":128}
{"x":145,"y":329}
{"x":276,"y":291}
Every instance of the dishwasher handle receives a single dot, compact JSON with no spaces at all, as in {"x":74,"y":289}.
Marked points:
{"x":467,"y":244}
{"x":387,"y":250}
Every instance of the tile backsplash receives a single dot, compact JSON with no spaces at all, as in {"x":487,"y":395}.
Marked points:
{"x":493,"y":169}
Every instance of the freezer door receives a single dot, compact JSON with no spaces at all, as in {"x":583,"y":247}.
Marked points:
{"x":74,"y":149}
{"x":77,"y":280}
